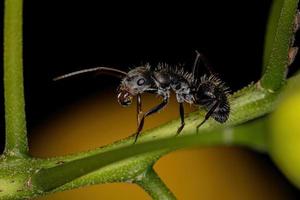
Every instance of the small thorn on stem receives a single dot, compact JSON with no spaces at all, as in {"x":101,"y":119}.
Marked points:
{"x":292,"y":55}
{"x":297,"y":21}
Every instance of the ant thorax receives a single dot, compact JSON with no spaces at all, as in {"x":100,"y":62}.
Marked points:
{"x":167,"y":78}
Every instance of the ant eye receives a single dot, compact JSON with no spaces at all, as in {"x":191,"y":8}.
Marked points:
{"x":141,"y":81}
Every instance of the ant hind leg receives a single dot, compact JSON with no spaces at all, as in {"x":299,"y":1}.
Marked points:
{"x":208,"y":114}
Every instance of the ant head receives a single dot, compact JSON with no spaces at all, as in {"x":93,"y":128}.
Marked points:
{"x":137,"y":81}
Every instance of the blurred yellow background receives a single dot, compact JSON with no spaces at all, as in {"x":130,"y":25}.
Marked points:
{"x":192,"y":174}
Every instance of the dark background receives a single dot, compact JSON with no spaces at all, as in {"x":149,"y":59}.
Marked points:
{"x":63,"y":36}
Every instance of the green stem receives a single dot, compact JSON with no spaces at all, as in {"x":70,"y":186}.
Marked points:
{"x":250,"y":135}
{"x":278,"y":41}
{"x":155,"y":187}
{"x":271,"y":29}
{"x":16,"y":137}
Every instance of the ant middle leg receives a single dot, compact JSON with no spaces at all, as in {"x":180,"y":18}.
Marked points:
{"x":181,"y":112}
{"x":150,"y":112}
{"x":208,"y":114}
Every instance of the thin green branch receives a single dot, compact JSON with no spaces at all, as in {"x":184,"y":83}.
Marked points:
{"x":154,"y":186}
{"x":15,"y":122}
{"x":271,"y":29}
{"x":250,"y":135}
{"x":278,"y":40}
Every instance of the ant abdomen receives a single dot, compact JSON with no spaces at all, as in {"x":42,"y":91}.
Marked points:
{"x":213,"y":96}
{"x":221,"y":113}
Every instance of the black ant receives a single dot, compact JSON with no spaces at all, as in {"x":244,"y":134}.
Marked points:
{"x":207,"y":91}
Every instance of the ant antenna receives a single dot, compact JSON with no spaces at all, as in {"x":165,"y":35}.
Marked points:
{"x":202,"y":58}
{"x":106,"y":70}
{"x":196,"y":62}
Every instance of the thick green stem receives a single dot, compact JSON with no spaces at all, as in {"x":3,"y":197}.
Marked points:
{"x":278,"y":41}
{"x":155,"y":187}
{"x":15,"y":122}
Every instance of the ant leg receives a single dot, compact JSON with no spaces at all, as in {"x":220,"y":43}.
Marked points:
{"x":208,"y":114}
{"x":138,"y":108}
{"x":150,"y":112}
{"x":202,"y":58}
{"x":181,"y":111}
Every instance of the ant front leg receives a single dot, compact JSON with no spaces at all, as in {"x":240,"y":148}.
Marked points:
{"x":150,"y":112}
{"x":209,"y":113}
{"x":181,"y":112}
{"x":138,"y":108}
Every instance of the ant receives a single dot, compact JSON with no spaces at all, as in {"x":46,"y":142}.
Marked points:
{"x":207,"y":91}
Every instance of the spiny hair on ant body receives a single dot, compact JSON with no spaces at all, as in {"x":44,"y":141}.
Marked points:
{"x":207,"y":91}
